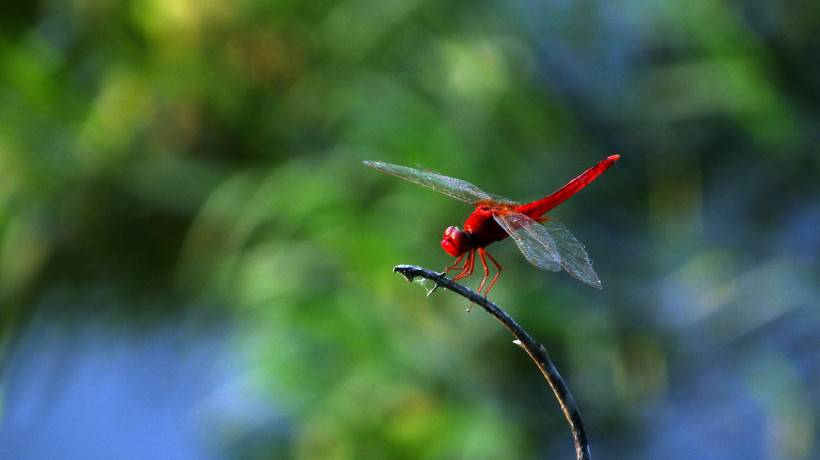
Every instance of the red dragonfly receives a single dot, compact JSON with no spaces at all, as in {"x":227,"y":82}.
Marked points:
{"x":544,"y":241}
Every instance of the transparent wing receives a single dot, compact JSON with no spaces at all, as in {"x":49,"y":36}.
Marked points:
{"x":456,"y":188}
{"x":574,"y":258}
{"x":532,"y":239}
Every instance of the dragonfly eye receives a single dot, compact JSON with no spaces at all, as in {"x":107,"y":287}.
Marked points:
{"x":455,"y":242}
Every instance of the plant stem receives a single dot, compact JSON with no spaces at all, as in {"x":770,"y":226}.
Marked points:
{"x":535,"y":350}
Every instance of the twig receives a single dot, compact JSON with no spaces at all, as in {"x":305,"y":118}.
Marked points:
{"x":535,"y":350}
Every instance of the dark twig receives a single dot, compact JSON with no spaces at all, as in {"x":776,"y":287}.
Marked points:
{"x":535,"y":350}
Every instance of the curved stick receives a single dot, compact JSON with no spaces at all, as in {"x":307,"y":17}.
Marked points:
{"x":535,"y":350}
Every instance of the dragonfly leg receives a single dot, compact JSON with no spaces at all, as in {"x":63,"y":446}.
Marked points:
{"x":481,"y":255}
{"x":453,"y":266}
{"x":497,"y":273}
{"x":467,"y":270}
{"x":463,"y":267}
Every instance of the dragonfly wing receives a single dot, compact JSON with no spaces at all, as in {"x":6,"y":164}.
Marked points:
{"x":532,"y":239}
{"x":574,"y":258}
{"x":456,"y":188}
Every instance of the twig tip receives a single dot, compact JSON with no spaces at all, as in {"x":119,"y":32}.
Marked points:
{"x":405,"y":271}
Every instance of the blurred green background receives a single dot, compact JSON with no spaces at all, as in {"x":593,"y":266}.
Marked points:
{"x":194,"y":263}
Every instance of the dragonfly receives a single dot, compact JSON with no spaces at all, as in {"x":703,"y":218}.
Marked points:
{"x":544,"y":241}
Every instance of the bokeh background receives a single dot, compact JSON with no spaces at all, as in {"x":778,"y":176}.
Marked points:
{"x":194,"y":263}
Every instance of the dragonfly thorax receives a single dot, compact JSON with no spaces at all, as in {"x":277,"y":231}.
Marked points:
{"x":455,"y":241}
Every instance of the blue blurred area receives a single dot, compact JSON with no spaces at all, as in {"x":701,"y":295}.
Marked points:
{"x":195,"y":264}
{"x":92,"y":396}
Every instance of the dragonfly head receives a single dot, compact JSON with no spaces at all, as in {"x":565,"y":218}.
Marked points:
{"x":455,"y":242}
